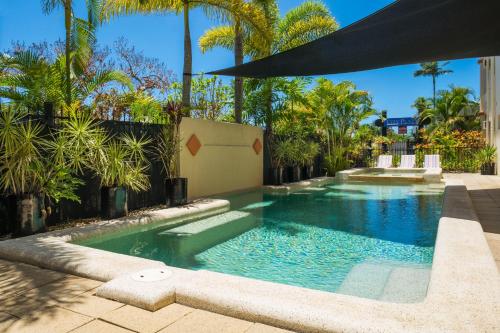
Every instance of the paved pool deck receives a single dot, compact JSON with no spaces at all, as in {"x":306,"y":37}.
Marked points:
{"x":484,"y":192}
{"x":43,"y":301}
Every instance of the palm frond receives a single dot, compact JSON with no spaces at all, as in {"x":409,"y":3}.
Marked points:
{"x":221,"y":36}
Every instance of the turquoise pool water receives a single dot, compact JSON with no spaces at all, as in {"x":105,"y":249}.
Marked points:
{"x":374,"y":241}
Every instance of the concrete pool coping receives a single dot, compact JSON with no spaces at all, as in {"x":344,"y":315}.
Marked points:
{"x":429,"y":175}
{"x":463,"y":293}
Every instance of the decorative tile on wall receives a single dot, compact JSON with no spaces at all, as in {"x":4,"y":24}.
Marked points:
{"x":193,"y":145}
{"x":257,"y":146}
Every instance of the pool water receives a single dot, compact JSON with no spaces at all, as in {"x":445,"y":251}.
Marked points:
{"x":367,"y":240}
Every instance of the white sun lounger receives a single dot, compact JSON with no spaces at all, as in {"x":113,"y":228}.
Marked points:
{"x":384,"y":161}
{"x":432,"y":162}
{"x":407,"y":162}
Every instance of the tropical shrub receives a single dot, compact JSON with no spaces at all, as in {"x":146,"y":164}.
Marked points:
{"x":309,"y":152}
{"x":35,"y":160}
{"x":487,"y":155}
{"x":123,"y":163}
{"x":168,"y":145}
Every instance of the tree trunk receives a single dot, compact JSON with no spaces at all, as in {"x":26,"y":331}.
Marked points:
{"x":67,"y":24}
{"x":269,"y":120}
{"x":188,"y":63}
{"x":238,"y":82}
{"x":434,"y":91}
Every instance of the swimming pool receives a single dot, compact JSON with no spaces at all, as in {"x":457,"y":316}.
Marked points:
{"x":367,"y":240}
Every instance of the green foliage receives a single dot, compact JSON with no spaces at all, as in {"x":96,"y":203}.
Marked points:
{"x":167,"y":150}
{"x":337,"y":160}
{"x":29,"y":80}
{"x":456,"y":109}
{"x":33,"y":162}
{"x":340,"y":109}
{"x":123,"y":163}
{"x":487,"y":155}
{"x":309,"y":152}
{"x":210,"y":98}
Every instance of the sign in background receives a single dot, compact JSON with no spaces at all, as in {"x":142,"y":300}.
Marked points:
{"x":399,"y":122}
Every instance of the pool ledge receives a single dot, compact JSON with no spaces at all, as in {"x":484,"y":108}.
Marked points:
{"x":430,"y":175}
{"x":463,"y":295}
{"x":53,"y":250}
{"x":288,"y":188}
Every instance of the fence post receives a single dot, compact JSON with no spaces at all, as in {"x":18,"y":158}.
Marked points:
{"x":48,"y":110}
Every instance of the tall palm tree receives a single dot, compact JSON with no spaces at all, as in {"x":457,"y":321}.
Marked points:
{"x":232,"y":37}
{"x":308,"y":21}
{"x":435,"y":70}
{"x":218,"y":8}
{"x":72,"y":26}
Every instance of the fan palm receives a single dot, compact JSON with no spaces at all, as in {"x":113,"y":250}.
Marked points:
{"x":435,"y":70}
{"x":74,"y":29}
{"x":223,"y":9}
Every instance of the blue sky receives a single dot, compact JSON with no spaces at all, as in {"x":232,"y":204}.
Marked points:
{"x":161,"y":36}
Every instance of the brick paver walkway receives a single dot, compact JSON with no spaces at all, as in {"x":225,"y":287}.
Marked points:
{"x":38,"y":301}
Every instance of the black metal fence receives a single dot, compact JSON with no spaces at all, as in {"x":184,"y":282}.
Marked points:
{"x":90,"y":193}
{"x":453,"y":159}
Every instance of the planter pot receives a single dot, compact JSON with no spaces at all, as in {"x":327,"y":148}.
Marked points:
{"x":488,"y":169}
{"x":294,"y":174}
{"x":309,"y":171}
{"x":276,"y":176}
{"x":176,"y":191}
{"x":29,"y":216}
{"x":114,"y":202}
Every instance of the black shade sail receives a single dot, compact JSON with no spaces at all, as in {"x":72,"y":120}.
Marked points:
{"x":405,"y":32}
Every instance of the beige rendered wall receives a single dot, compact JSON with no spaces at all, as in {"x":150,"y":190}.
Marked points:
{"x":226,"y":160}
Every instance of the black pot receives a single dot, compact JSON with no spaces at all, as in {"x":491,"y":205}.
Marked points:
{"x":114,"y":202}
{"x":29,"y":216}
{"x":309,"y":171}
{"x":488,"y":169}
{"x":294,"y":174}
{"x":276,"y":176}
{"x":176,"y":191}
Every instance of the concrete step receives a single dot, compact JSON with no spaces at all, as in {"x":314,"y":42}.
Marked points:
{"x":196,"y":237}
{"x":386,"y":280}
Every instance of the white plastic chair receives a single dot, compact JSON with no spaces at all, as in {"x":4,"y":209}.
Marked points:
{"x":432,"y":162}
{"x":384,"y":161}
{"x":407,"y":162}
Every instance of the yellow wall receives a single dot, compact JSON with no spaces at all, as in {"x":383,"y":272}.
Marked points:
{"x":226,"y":161}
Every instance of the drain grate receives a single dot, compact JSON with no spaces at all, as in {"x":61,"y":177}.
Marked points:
{"x":152,"y":275}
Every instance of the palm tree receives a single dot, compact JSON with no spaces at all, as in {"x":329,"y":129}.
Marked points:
{"x":435,"y":70}
{"x":232,"y":37}
{"x":307,"y":22}
{"x":218,"y":8}
{"x":72,"y":24}
{"x":29,"y":80}
{"x":422,"y":104}
{"x":455,"y":109}
{"x":340,"y":109}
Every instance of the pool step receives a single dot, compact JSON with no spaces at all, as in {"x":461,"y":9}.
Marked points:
{"x":389,"y":281}
{"x":196,"y":237}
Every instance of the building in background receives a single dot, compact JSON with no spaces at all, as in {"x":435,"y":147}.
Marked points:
{"x":490,"y":101}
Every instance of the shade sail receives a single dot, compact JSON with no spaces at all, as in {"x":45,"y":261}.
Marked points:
{"x":405,"y":32}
